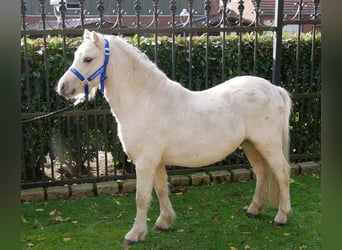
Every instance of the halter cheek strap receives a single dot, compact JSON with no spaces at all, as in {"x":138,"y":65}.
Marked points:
{"x":101,"y":70}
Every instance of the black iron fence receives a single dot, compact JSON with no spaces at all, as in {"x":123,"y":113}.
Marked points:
{"x":198,"y":43}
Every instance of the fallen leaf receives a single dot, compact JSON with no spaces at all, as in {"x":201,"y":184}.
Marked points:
{"x":39,"y":209}
{"x":66,"y":238}
{"x":308,"y":217}
{"x":117,"y":202}
{"x":286,"y":234}
{"x":247,"y":247}
{"x":315,"y":176}
{"x":217,"y":218}
{"x":55,"y":212}
{"x":23,"y":219}
{"x":180,"y":231}
{"x":61,"y":219}
{"x":233,"y":248}
{"x":179,"y":193}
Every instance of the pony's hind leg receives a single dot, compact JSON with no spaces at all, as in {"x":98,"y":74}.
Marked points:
{"x":260,"y":169}
{"x":278,"y":179}
{"x":167,"y":214}
{"x":281,"y":172}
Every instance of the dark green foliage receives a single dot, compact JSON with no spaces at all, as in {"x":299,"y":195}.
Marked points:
{"x":78,"y":138}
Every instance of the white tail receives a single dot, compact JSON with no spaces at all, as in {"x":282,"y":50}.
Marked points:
{"x":272,"y":185}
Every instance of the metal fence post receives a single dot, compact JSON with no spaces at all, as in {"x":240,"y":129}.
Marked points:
{"x":278,"y":24}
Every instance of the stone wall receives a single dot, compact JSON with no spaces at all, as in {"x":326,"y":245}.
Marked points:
{"x":175,"y":182}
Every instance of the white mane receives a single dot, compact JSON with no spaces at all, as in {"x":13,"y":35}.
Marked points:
{"x":132,"y":69}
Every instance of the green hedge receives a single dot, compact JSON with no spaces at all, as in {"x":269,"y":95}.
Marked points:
{"x":78,"y":139}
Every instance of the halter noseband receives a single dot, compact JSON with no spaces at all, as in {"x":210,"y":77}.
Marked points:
{"x":101,"y":70}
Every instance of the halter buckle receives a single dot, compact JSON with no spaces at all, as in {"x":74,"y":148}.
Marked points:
{"x":106,"y":51}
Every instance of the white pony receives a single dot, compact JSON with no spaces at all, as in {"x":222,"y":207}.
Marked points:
{"x":162,"y":123}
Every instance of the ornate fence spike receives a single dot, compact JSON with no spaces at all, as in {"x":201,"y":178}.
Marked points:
{"x":100,"y":9}
{"x":82,"y":13}
{"x":119,"y":12}
{"x":207,"y":9}
{"x":173,"y":9}
{"x":23,"y":10}
{"x":137,"y":10}
{"x":241,"y":8}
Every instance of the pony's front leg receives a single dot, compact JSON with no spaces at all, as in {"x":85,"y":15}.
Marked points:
{"x":167,"y":215}
{"x":145,"y":177}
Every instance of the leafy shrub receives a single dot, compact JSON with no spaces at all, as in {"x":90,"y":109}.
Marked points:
{"x":76,"y":140}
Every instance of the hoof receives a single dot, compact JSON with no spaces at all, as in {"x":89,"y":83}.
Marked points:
{"x":159,"y":229}
{"x":128,"y":242}
{"x":252,"y":216}
{"x":277,"y":224}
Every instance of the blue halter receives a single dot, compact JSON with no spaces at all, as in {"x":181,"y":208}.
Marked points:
{"x":101,"y":70}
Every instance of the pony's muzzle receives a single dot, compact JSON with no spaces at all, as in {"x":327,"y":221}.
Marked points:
{"x":60,"y":88}
{"x":63,"y":90}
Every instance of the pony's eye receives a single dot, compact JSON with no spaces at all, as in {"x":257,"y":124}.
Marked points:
{"x":87,"y":59}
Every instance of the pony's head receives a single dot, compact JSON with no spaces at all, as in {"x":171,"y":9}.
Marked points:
{"x":88,"y":68}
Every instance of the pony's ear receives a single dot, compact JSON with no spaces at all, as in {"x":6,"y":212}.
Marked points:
{"x":86,"y":34}
{"x":94,"y":37}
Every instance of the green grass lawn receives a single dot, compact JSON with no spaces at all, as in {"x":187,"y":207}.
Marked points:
{"x":208,"y":217}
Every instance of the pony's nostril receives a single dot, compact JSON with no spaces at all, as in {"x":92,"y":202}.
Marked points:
{"x":61,"y":88}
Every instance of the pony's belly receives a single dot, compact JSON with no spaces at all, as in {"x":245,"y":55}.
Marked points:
{"x":198,"y":156}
